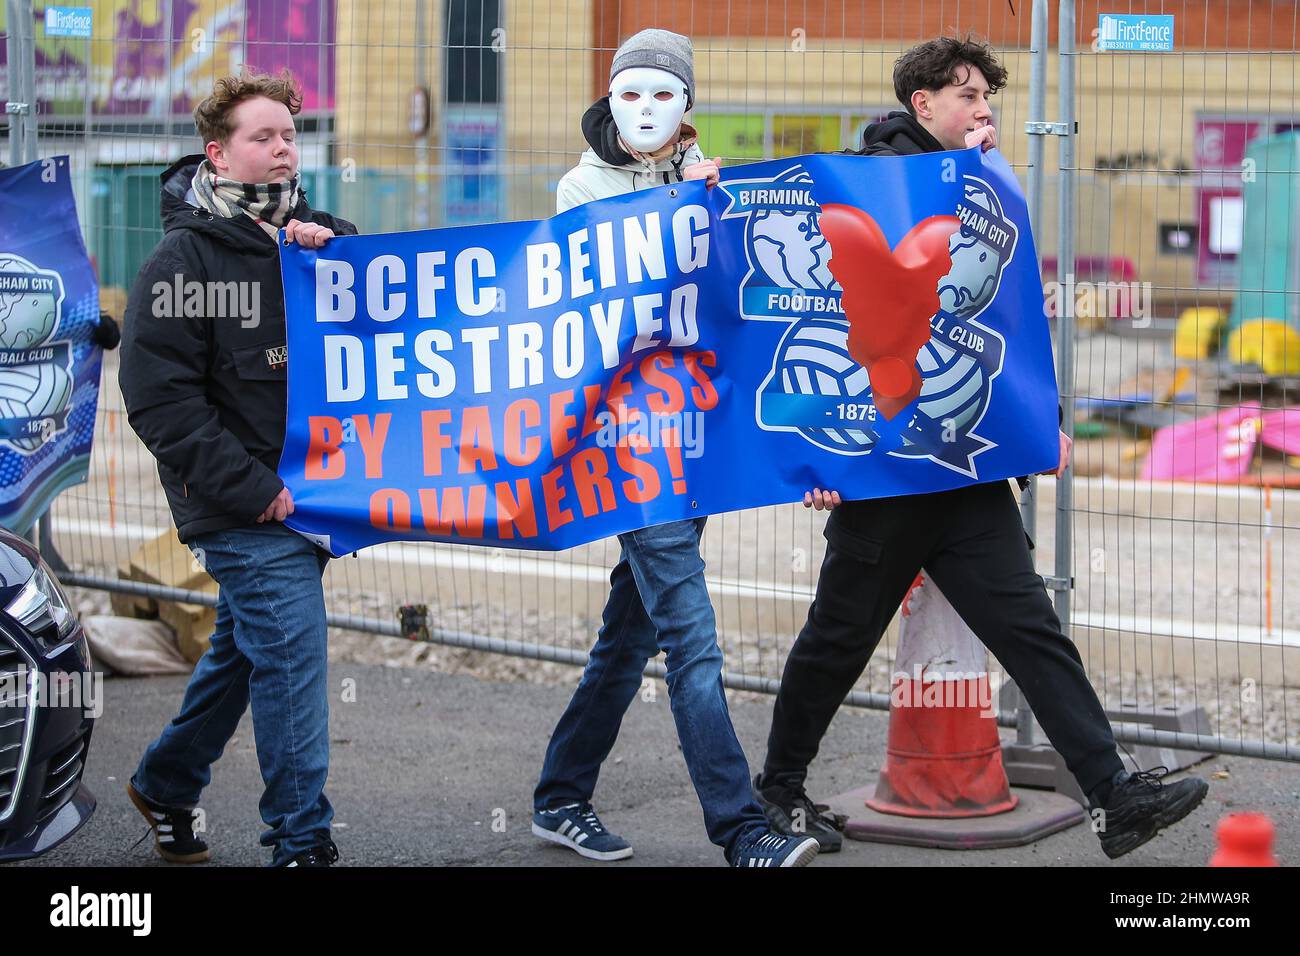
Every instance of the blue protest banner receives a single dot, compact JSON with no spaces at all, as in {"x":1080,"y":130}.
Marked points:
{"x":673,"y":352}
{"x":49,"y":365}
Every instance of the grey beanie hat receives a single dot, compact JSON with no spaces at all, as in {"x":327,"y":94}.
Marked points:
{"x":659,"y":50}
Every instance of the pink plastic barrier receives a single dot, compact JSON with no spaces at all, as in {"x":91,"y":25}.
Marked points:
{"x":1217,"y":448}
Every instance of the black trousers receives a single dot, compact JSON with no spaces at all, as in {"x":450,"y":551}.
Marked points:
{"x":972,"y":543}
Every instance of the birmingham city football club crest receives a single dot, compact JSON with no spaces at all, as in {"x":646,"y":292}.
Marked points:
{"x":816,"y":387}
{"x":35,"y":371}
{"x":963,"y":357}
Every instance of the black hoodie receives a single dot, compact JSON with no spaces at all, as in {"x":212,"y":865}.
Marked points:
{"x":899,"y":134}
{"x":207,"y":393}
{"x":601,"y":133}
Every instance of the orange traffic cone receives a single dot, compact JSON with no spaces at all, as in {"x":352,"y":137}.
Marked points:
{"x":1245,"y":839}
{"x":944,"y":758}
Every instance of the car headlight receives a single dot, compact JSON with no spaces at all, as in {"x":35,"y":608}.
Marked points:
{"x":42,"y":607}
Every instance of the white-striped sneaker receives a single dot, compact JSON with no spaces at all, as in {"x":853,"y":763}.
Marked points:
{"x":763,"y":847}
{"x":173,"y":829}
{"x":577,"y":827}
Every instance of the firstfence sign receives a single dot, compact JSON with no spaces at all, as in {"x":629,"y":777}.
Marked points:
{"x":1135,"y":33}
{"x":68,"y":21}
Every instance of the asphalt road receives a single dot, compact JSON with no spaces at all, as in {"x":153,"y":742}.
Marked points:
{"x":425,"y":763}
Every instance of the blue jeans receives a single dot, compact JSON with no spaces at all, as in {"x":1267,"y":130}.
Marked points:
{"x":658,"y":600}
{"x":269,"y":647}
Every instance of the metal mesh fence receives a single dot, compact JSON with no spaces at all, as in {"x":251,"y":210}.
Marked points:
{"x":1180,"y":585}
{"x":424,"y":113}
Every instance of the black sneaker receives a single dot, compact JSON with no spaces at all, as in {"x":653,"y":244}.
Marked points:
{"x":173,"y":829}
{"x":326,"y":854}
{"x":1142,"y":804}
{"x":791,"y":813}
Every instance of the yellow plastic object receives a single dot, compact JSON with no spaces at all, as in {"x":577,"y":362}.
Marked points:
{"x":1177,"y":385}
{"x":1197,"y":334}
{"x":1272,"y":345}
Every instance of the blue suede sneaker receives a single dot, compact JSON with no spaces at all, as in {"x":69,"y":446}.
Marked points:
{"x":764,"y":847}
{"x":577,"y":827}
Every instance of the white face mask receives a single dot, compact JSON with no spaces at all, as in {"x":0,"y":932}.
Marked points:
{"x":648,"y":106}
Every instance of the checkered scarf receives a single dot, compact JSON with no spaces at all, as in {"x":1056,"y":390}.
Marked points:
{"x":268,"y":204}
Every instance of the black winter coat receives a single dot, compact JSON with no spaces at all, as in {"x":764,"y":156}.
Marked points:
{"x":206,"y":392}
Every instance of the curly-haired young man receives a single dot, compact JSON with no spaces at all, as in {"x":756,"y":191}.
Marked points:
{"x":970,"y":540}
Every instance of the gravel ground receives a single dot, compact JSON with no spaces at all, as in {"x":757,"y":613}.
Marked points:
{"x":439,"y":769}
